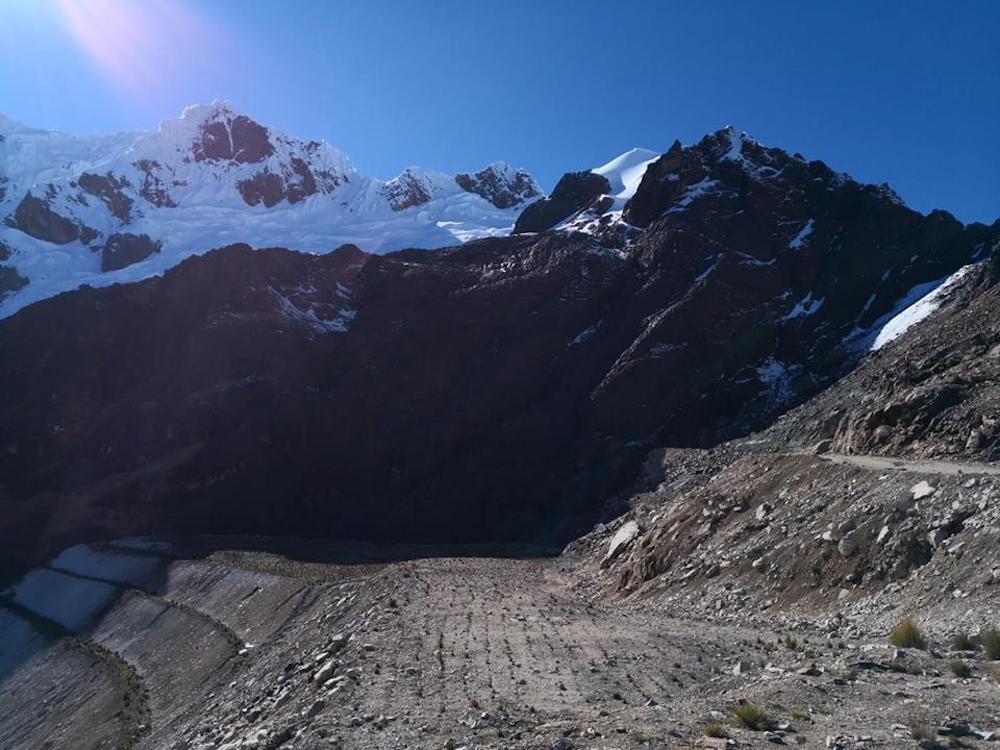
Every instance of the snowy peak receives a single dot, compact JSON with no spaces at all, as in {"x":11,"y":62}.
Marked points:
{"x":124,"y":206}
{"x":415,"y":186}
{"x":624,"y":172}
{"x":215,"y":151}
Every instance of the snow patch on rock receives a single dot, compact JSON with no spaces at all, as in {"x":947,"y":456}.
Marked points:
{"x":918,"y":304}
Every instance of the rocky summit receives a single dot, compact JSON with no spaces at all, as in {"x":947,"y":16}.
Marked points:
{"x":698,"y":449}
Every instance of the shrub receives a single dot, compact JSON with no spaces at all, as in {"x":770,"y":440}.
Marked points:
{"x":800,"y":714}
{"x":753,"y":718}
{"x":990,"y":641}
{"x":907,"y":634}
{"x":959,"y":668}
{"x":962,"y":642}
{"x":920,"y":731}
{"x":714,"y":730}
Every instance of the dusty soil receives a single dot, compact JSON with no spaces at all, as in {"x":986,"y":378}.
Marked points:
{"x":254,"y":649}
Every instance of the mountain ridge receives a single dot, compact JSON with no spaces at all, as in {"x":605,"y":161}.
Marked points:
{"x":498,"y":390}
{"x":210,"y":177}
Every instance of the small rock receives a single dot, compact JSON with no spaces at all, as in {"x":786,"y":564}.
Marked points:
{"x":922,"y":489}
{"x":318,"y":705}
{"x":339,"y":641}
{"x":325,"y":672}
{"x":847,"y":547}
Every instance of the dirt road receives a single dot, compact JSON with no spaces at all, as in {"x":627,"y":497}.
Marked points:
{"x":447,"y":652}
{"x":915,"y":466}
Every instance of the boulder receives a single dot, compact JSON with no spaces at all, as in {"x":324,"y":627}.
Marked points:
{"x":124,"y":249}
{"x":620,"y":541}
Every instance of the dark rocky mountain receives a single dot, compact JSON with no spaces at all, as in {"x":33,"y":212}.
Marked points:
{"x":574,"y":192}
{"x":500,"y":390}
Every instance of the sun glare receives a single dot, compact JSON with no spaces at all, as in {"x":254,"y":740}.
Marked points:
{"x":140,"y":47}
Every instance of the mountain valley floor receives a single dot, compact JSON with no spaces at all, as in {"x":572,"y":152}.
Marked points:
{"x":190,"y":644}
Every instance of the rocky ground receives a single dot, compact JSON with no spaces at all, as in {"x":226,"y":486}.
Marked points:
{"x":635,"y":637}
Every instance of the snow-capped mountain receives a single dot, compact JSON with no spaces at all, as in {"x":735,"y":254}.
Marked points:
{"x":110,"y":208}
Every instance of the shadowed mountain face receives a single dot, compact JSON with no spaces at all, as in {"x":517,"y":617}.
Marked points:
{"x":501,"y":390}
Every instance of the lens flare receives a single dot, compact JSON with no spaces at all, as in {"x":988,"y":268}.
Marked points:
{"x":143,"y":47}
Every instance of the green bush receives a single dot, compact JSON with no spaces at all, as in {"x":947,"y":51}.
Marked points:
{"x":962,"y":642}
{"x":714,"y":730}
{"x":959,"y":668}
{"x":920,"y":731}
{"x":753,"y":718}
{"x":907,"y":634}
{"x":990,"y":641}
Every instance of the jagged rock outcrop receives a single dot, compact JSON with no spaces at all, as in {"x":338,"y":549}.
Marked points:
{"x":293,"y":185}
{"x":573,"y":192}
{"x":500,"y":185}
{"x":411,"y":188}
{"x":225,"y":137}
{"x":34,"y":217}
{"x":124,"y":249}
{"x":109,"y":189}
{"x":154,"y":189}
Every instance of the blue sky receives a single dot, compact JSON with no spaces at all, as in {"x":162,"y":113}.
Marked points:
{"x":901,"y":92}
